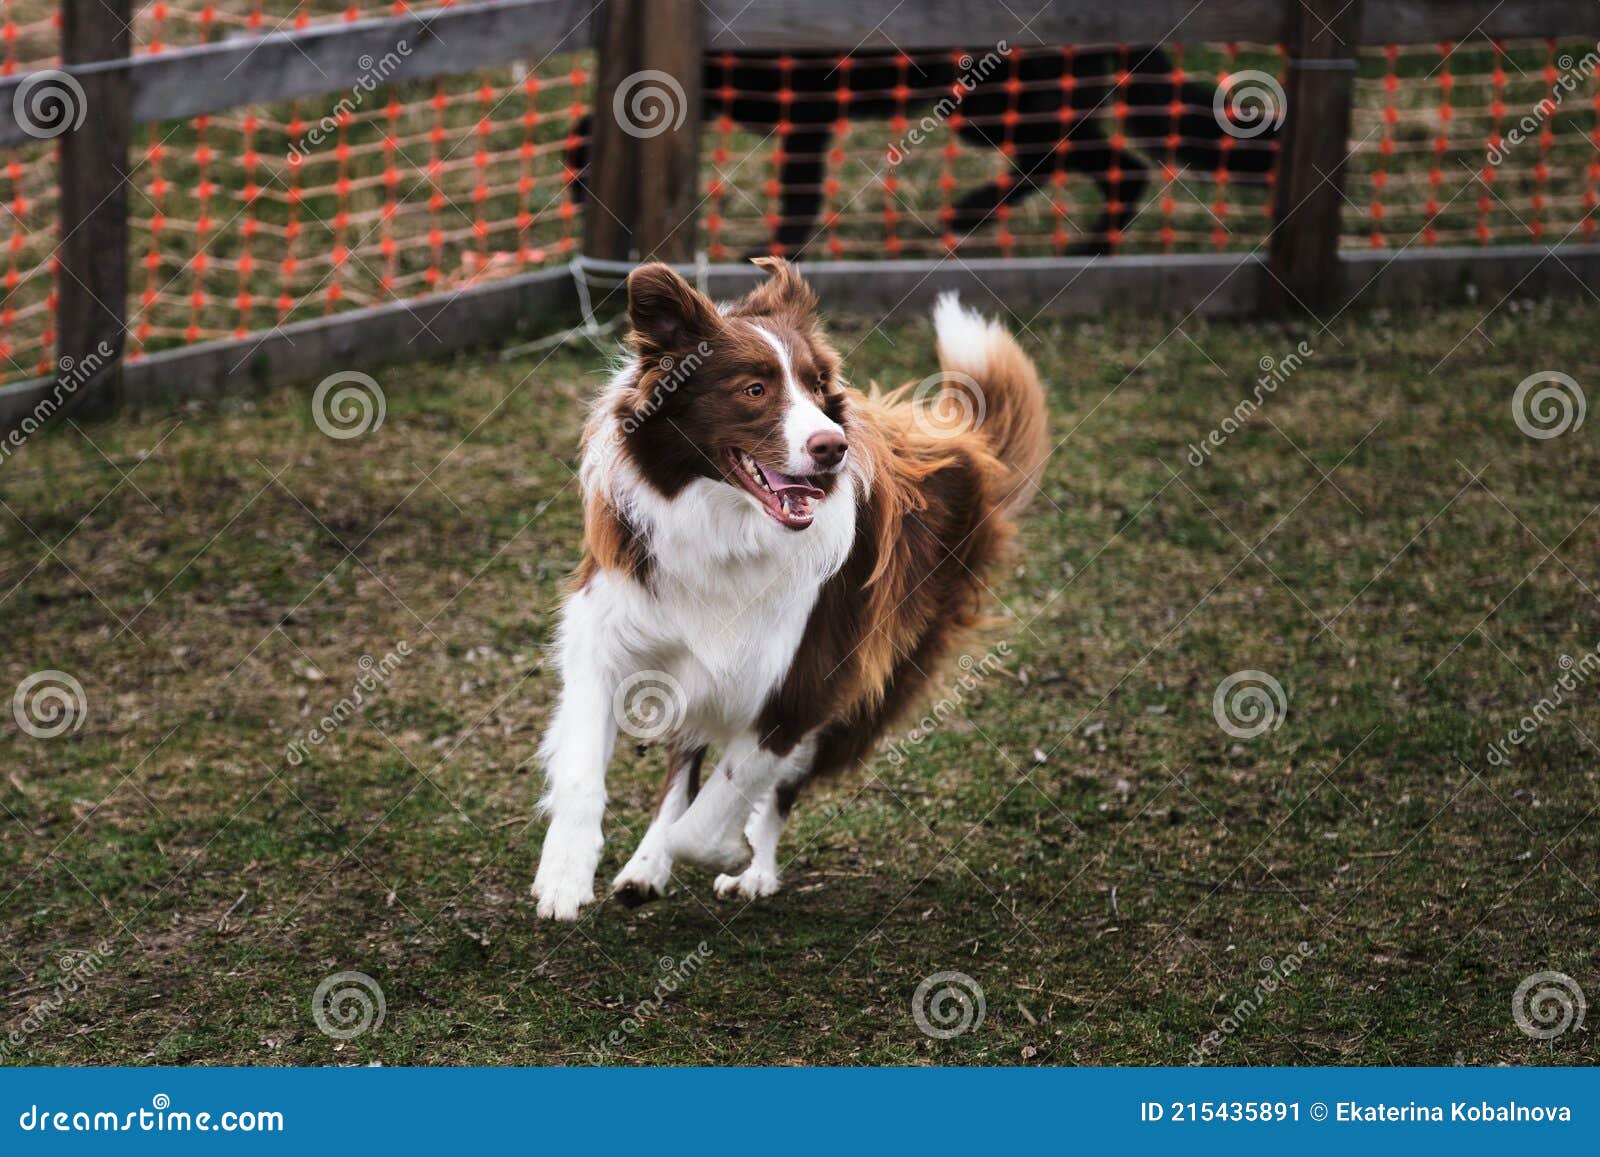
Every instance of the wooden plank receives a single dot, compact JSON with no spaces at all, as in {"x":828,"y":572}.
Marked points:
{"x":1432,"y":21}
{"x":929,"y":24}
{"x":92,"y":279}
{"x":1478,"y":276}
{"x":1303,"y":250}
{"x":610,"y":184}
{"x":671,"y":45}
{"x":185,"y":82}
{"x":532,"y":305}
{"x":1213,"y":286}
{"x":396,"y":332}
{"x":1222,"y":285}
{"x":1210,"y":286}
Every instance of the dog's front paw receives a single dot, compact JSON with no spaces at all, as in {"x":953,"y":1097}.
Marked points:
{"x":565,"y":879}
{"x":562,"y":885}
{"x":634,"y":893}
{"x":561,"y":898}
{"x":643,"y":880}
{"x":752,"y":884}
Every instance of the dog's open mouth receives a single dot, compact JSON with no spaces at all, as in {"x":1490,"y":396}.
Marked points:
{"x":788,"y":500}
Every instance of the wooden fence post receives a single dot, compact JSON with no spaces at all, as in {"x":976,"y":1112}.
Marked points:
{"x":1303,"y":253}
{"x":644,"y":160}
{"x":608,"y":211}
{"x":672,"y":48}
{"x":92,"y":277}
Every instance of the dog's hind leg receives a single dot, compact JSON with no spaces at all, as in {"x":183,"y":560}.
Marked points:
{"x":763,"y":832}
{"x":711,"y":832}
{"x":578,"y":158}
{"x":646,"y":875}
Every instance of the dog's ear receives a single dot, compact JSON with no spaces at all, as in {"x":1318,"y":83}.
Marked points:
{"x":667,"y":314}
{"x":784,"y":292}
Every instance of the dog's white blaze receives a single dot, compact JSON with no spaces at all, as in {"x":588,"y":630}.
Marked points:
{"x":803,"y":417}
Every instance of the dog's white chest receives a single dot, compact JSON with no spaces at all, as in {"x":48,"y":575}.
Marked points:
{"x":728,"y":656}
{"x":727,"y":604}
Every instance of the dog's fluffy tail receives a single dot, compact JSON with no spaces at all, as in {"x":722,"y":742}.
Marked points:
{"x":995,"y":383}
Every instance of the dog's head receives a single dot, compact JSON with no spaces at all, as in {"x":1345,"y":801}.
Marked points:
{"x":748,"y":395}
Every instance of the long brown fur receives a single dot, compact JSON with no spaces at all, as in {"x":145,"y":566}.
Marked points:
{"x":937,"y":519}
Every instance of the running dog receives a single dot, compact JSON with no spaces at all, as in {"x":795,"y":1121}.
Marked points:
{"x":775,"y":559}
{"x":1091,"y":111}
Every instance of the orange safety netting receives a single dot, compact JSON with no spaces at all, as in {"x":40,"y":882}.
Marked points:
{"x":258,"y":216}
{"x":1475,"y":144}
{"x":247,"y":219}
{"x":243,"y":220}
{"x":31,"y":197}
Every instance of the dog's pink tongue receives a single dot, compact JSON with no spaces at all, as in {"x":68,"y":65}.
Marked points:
{"x":783,"y":483}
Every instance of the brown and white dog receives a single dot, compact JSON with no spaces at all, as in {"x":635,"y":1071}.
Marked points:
{"x":777,"y":559}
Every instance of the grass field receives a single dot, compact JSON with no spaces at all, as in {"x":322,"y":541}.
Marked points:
{"x":1126,"y":880}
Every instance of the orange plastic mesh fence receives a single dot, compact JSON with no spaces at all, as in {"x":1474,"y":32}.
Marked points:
{"x":245,"y":220}
{"x":28,"y":311}
{"x":264,"y":215}
{"x":1475,"y":144}
{"x":32,"y":28}
{"x":260,"y":216}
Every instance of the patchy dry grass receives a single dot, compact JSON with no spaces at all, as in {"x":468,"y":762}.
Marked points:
{"x":1080,"y":837}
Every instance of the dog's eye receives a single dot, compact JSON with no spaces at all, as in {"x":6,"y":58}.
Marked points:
{"x":755,"y":390}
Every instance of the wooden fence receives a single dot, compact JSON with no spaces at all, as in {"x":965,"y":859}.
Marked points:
{"x":647,"y":185}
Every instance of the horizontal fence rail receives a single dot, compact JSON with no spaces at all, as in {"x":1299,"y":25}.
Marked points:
{"x":205,"y":78}
{"x":424,"y":327}
{"x":831,"y":24}
{"x":1225,"y":286}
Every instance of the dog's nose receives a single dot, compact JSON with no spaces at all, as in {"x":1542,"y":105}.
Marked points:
{"x":826,"y":448}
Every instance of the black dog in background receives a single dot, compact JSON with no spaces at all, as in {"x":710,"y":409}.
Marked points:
{"x":1016,"y":107}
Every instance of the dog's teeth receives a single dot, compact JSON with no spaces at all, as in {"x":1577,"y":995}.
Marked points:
{"x":748,"y":464}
